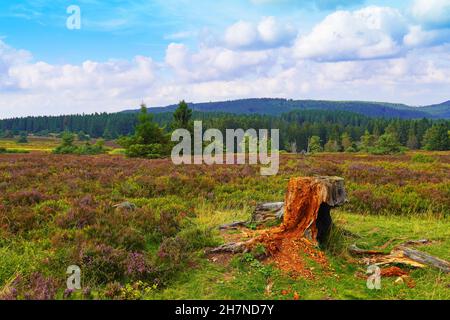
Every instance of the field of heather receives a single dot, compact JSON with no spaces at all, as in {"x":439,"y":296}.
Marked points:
{"x":60,"y":210}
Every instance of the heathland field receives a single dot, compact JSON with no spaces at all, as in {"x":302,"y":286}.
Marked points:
{"x":60,"y":210}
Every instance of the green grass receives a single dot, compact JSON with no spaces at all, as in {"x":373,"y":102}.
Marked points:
{"x":34,"y":144}
{"x":248,"y":280}
{"x":52,"y":205}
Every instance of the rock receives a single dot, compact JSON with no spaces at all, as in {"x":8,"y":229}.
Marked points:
{"x":126,"y":205}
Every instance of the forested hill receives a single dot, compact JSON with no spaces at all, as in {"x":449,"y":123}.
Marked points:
{"x":271,"y":106}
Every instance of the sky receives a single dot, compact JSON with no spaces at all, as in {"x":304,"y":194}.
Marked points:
{"x":163,"y":51}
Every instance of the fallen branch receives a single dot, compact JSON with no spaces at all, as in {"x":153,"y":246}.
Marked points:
{"x":402,"y":254}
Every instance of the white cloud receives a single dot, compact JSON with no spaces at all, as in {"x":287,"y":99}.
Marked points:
{"x":214,"y":63}
{"x":432,"y":13}
{"x":372,"y":32}
{"x":373,"y":53}
{"x":268,"y":33}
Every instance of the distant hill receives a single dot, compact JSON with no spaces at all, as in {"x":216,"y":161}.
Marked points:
{"x":271,"y":106}
{"x":441,"y":110}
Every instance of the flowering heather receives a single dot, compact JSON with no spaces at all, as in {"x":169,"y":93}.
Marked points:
{"x":61,"y":210}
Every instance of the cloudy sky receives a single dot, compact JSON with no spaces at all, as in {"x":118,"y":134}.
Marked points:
{"x":162,"y":51}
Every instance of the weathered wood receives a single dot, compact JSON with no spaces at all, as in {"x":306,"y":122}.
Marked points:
{"x":305,"y":213}
{"x":415,"y":258}
{"x":402,"y":254}
{"x":266,"y":212}
{"x":233,"y":225}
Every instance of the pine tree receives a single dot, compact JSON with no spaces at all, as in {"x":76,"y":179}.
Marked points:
{"x":367,"y":141}
{"x":331,"y":146}
{"x":346,"y":141}
{"x":314,"y":144}
{"x":437,"y":138}
{"x":182,"y":117}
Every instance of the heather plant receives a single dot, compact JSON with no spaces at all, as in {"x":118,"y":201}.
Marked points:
{"x":422,"y":158}
{"x":36,"y":286}
{"x":102,"y":263}
{"x":28,"y":197}
{"x":57,"y":211}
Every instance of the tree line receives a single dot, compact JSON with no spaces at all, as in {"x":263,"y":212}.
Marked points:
{"x":331,"y":131}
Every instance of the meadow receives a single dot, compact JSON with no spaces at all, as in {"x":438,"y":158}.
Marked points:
{"x":61,"y":210}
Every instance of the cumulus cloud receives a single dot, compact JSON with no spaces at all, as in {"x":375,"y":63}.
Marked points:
{"x":374,"y":53}
{"x":10,"y":57}
{"x":319,"y":4}
{"x":268,"y":33}
{"x":214,"y":63}
{"x":432,"y":13}
{"x":42,"y":87}
{"x":372,"y":32}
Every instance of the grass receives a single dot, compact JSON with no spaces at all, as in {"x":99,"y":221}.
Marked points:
{"x":211,"y":280}
{"x":34,"y":144}
{"x":58,"y":210}
{"x":47,"y":144}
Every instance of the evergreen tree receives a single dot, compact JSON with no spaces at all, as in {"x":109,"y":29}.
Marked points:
{"x":332,"y":146}
{"x":83,"y":136}
{"x":149,"y":140}
{"x":22,"y":138}
{"x":367,"y":141}
{"x":314,"y":144}
{"x":386,"y":144}
{"x":182,"y":117}
{"x":346,"y":141}
{"x":437,"y":138}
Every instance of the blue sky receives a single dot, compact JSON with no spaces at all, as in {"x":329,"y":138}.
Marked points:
{"x":167,"y":50}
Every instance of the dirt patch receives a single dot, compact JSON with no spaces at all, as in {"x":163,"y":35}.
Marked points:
{"x":222,"y":259}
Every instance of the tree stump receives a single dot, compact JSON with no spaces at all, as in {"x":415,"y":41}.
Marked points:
{"x":306,"y":214}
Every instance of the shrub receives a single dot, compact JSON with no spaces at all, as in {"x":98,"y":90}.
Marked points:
{"x":422,"y":158}
{"x":149,"y":140}
{"x":172,"y":255}
{"x":26,"y":198}
{"x":102,"y":263}
{"x":137,"y":266}
{"x":197,"y":238}
{"x":22,"y":138}
{"x":314,"y":144}
{"x":67,"y":146}
{"x":387,"y":144}
{"x":33,"y":287}
{"x":149,"y":151}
